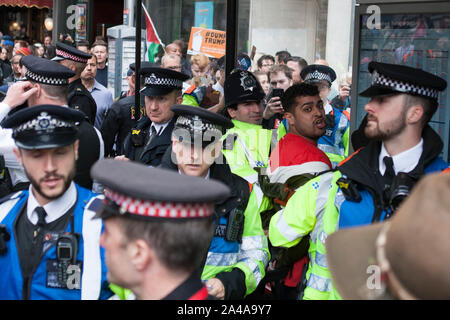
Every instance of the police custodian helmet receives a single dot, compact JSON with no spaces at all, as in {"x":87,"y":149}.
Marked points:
{"x":242,"y":86}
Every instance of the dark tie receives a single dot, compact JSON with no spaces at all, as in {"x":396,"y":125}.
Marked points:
{"x":41,"y":216}
{"x":40,"y":223}
{"x":153,"y":135}
{"x":389,"y":174}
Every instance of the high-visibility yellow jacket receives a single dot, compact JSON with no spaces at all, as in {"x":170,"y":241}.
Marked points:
{"x":311,"y":210}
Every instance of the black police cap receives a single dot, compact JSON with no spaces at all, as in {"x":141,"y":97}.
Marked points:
{"x":316,"y":72}
{"x":389,"y":79}
{"x":242,"y":86}
{"x":161,"y":81}
{"x":65,"y":51}
{"x":44,"y":126}
{"x":45,"y":71}
{"x":200,"y":124}
{"x":135,"y":190}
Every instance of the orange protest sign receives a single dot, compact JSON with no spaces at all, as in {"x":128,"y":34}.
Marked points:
{"x":207,"y":41}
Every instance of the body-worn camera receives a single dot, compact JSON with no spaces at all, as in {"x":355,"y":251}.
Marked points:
{"x":400,"y":188}
{"x":67,"y":248}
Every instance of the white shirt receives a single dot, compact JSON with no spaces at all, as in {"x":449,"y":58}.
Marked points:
{"x":403,"y":162}
{"x":55,"y":209}
{"x":159,"y":127}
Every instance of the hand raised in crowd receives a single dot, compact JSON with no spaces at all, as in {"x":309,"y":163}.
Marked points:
{"x":18,"y":93}
{"x":216,"y":288}
{"x":344,"y":92}
{"x":273,"y":106}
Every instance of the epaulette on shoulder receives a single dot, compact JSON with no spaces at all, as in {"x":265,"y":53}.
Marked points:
{"x":11,"y":196}
{"x":95,"y":204}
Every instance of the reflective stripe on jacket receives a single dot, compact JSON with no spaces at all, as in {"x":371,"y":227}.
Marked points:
{"x":251,"y":256}
{"x":311,"y":211}
{"x":93,"y":277}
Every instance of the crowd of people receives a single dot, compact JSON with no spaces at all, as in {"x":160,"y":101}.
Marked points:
{"x":222,"y":186}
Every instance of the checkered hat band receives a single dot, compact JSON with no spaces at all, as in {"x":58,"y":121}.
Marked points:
{"x":316,"y":75}
{"x":196,"y":124}
{"x":159,"y":209}
{"x":44,"y":122}
{"x":380,"y":79}
{"x":67,"y":55}
{"x":46,"y":80}
{"x":163,"y":82}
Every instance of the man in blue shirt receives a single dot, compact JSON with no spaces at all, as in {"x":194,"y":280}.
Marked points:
{"x":102,"y":96}
{"x":100,"y":50}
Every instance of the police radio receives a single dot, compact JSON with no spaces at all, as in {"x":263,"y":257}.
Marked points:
{"x":235,"y":225}
{"x":66,"y":255}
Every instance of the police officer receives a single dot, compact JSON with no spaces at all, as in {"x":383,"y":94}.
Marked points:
{"x":163,"y":220}
{"x":47,"y":83}
{"x":78,"y":97}
{"x":121,"y":117}
{"x":52,"y":249}
{"x":131,"y":80}
{"x":419,"y":231}
{"x":238,"y":253}
{"x":371,"y":184}
{"x":335,"y":141}
{"x":149,"y":139}
{"x":247,"y":145}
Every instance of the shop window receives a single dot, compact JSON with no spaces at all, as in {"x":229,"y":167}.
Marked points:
{"x":419,"y":40}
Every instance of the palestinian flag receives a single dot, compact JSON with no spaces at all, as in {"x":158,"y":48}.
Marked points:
{"x":152,"y":41}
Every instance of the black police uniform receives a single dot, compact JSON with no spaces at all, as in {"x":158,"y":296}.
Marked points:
{"x":79,"y":98}
{"x":130,"y":72}
{"x":119,"y":119}
{"x":146,"y":188}
{"x":52,"y":73}
{"x":137,"y":145}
